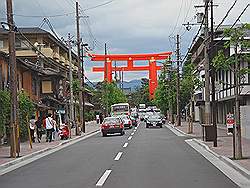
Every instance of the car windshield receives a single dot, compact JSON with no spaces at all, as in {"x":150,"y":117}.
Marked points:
{"x":111,"y":121}
{"x":154,"y":118}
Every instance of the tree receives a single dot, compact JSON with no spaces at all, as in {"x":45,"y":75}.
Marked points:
{"x":4,"y":112}
{"x":110,"y":94}
{"x":237,"y":40}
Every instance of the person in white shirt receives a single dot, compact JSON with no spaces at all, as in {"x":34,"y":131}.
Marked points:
{"x":32,"y":127}
{"x":49,"y":127}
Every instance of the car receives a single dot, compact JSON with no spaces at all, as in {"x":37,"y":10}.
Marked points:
{"x":112,"y":125}
{"x":126,"y":121}
{"x":154,"y":121}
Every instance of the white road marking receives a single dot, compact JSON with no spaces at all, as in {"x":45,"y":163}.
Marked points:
{"x":129,"y":138}
{"x":125,"y":145}
{"x":135,"y":128}
{"x":103,"y":178}
{"x":118,"y":156}
{"x":132,"y":134}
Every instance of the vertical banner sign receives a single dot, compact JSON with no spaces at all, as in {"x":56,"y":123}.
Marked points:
{"x":230,"y":122}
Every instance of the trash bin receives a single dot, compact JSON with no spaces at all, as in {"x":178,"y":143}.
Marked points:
{"x":209,"y":133}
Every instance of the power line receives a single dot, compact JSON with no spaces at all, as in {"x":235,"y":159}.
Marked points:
{"x":226,"y":15}
{"x":99,"y":5}
{"x":198,"y":32}
{"x":176,"y":23}
{"x":238,"y":19}
{"x":49,"y":16}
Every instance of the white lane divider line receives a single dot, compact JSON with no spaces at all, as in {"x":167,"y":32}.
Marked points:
{"x":129,"y":138}
{"x":125,"y":145}
{"x":104,"y":177}
{"x":132,"y":134}
{"x":118,"y":156}
{"x":135,"y":128}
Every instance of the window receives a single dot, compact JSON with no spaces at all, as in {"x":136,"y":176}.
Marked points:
{"x":1,"y":44}
{"x":22,"y":44}
{"x":47,"y":87}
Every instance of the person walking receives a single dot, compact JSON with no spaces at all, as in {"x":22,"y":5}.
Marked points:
{"x":97,"y":117}
{"x":49,"y":127}
{"x":55,"y":130}
{"x":39,"y":128}
{"x":101,"y":118}
{"x":32,"y":127}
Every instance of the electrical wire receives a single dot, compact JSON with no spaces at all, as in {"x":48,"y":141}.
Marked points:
{"x":176,"y":23}
{"x":230,"y":9}
{"x":198,"y":32}
{"x":48,"y":16}
{"x":238,"y":19}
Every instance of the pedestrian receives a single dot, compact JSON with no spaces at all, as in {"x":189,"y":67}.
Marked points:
{"x":97,"y":117}
{"x":101,"y":118}
{"x":55,"y":130}
{"x":49,"y":128}
{"x":32,"y":127}
{"x":39,"y":128}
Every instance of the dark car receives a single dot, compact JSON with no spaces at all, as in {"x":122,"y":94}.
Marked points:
{"x":154,"y":121}
{"x":112,"y":125}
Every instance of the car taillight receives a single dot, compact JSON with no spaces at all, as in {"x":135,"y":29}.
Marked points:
{"x":121,"y":126}
{"x":105,"y":126}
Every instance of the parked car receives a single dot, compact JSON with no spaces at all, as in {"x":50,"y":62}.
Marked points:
{"x":154,"y":121}
{"x":126,"y":121}
{"x":112,"y":125}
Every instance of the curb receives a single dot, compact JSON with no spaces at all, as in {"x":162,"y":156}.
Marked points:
{"x":180,"y":131}
{"x":31,"y":155}
{"x":231,"y":163}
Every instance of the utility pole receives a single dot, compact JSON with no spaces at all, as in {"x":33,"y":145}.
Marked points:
{"x":207,"y":72}
{"x":81,"y":105}
{"x":71,"y":104}
{"x":14,"y":133}
{"x":178,"y":118}
{"x":211,"y":54}
{"x":106,"y":79}
{"x":83,"y":88}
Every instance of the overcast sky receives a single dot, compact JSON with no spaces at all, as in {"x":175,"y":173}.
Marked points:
{"x":127,"y":26}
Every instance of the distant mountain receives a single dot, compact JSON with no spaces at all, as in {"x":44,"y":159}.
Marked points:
{"x":127,"y":85}
{"x":133,"y":84}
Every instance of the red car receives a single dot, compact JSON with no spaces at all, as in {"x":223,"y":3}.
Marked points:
{"x":112,"y":125}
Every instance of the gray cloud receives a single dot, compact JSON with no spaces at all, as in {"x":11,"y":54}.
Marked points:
{"x":128,"y":26}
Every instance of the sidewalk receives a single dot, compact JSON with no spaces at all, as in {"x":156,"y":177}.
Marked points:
{"x":224,"y":143}
{"x":26,"y":150}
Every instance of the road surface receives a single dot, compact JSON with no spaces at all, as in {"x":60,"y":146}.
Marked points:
{"x":142,"y":158}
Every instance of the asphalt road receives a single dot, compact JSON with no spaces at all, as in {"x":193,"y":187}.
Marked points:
{"x":149,"y":158}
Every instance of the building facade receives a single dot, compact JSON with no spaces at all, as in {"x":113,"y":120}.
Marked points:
{"x":225,"y":83}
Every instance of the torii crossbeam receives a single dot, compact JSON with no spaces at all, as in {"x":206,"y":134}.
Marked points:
{"x":152,"y":68}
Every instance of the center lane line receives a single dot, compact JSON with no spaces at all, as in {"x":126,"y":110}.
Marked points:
{"x":132,"y":134}
{"x":125,"y":145}
{"x":103,"y":178}
{"x":129,"y":138}
{"x":118,"y":156}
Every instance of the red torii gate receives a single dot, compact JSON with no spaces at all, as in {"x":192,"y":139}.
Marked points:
{"x":130,"y":58}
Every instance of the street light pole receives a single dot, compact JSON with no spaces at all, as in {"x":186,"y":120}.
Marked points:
{"x":14,"y":133}
{"x":83,"y":89}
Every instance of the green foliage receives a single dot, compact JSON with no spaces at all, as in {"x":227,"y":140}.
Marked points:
{"x":223,"y":62}
{"x":4,"y":111}
{"x":76,"y":84}
{"x":111,"y":94}
{"x":141,"y":95}
{"x":26,"y":109}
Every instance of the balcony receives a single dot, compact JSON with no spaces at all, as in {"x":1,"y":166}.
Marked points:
{"x":25,"y":53}
{"x":62,"y":59}
{"x":48,"y":52}
{"x":56,"y":56}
